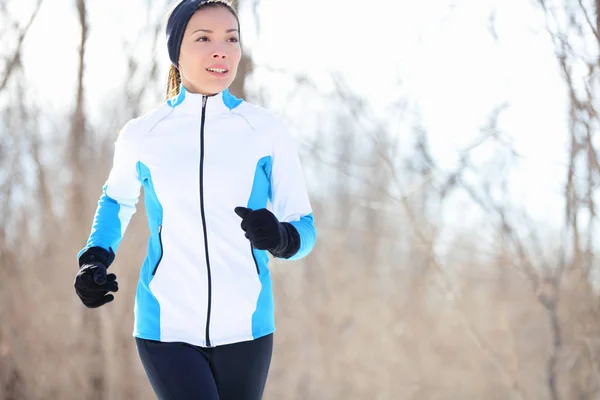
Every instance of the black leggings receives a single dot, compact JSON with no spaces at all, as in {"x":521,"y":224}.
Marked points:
{"x":180,"y":371}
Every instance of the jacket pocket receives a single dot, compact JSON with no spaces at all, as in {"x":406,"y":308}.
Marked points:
{"x":161,"y":250}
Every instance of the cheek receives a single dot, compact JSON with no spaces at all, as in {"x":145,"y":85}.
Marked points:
{"x":236,"y":56}
{"x":190,"y":56}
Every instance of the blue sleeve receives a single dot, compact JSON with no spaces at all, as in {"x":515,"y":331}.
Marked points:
{"x":308,"y":235}
{"x":119,"y":198}
{"x":289,"y":195}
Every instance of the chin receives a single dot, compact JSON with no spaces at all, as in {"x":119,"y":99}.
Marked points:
{"x":219,"y":88}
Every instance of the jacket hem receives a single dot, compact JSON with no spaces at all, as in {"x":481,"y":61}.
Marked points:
{"x":202,"y":343}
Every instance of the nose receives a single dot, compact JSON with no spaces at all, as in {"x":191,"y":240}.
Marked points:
{"x":219,"y":53}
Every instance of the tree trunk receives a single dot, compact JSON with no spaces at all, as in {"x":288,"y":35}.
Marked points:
{"x":90,"y":335}
{"x":238,"y":85}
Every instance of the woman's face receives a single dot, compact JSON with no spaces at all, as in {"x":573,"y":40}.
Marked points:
{"x":210,"y":51}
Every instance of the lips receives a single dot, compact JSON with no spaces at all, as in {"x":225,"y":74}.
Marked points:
{"x":218,"y":68}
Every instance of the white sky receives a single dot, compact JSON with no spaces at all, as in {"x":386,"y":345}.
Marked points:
{"x":441,"y":50}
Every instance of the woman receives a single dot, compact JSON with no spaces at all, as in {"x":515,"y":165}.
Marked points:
{"x":208,"y":163}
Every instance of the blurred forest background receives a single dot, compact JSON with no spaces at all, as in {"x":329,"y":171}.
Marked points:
{"x":427,"y":282}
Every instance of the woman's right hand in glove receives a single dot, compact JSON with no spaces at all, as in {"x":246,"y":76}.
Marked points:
{"x":92,"y":283}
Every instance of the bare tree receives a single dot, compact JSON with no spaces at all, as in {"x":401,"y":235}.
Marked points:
{"x":568,"y":26}
{"x":245,"y":67}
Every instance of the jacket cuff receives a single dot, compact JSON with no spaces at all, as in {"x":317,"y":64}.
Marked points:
{"x":97,"y":255}
{"x":290,"y":241}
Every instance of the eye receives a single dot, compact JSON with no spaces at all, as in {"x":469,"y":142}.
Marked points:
{"x":233,"y":40}
{"x":202,"y":39}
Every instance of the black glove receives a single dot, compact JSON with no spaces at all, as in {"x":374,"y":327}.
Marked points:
{"x":265,"y":232}
{"x":91,"y":282}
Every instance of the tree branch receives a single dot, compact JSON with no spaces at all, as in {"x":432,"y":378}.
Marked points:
{"x":14,"y":60}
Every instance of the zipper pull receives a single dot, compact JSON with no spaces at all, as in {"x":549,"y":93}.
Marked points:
{"x":204,"y":98}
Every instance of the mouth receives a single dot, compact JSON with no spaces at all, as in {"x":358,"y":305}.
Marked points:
{"x":220,"y":71}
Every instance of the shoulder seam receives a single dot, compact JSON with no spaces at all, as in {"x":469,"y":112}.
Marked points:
{"x":245,"y":119}
{"x":160,"y":120}
{"x":142,"y":134}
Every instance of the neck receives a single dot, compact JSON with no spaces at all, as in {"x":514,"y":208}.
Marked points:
{"x":194,"y":90}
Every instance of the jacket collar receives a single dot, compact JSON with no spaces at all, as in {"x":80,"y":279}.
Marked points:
{"x":191,"y":103}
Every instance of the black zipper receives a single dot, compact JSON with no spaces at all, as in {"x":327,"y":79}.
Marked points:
{"x":201,"y":184}
{"x":161,"y":250}
{"x":254,"y":258}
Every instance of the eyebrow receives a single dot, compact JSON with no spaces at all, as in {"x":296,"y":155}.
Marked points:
{"x":209,"y":31}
